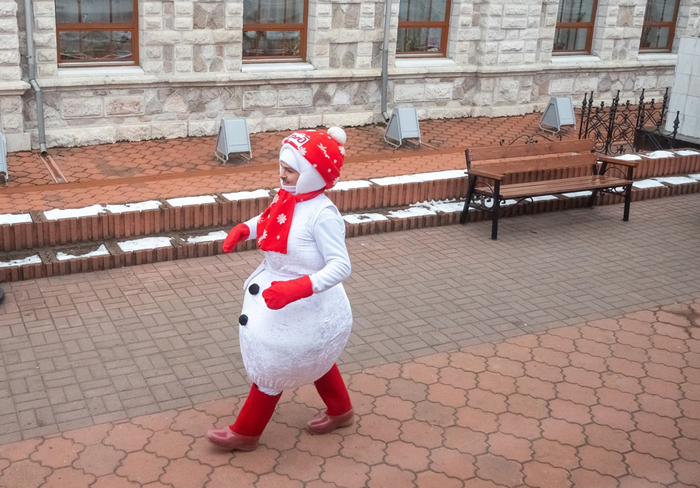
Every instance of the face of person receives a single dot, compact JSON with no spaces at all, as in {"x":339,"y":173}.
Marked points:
{"x":288,"y":176}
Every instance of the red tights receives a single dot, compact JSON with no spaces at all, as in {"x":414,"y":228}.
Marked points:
{"x":332,"y":389}
{"x":259,"y":407}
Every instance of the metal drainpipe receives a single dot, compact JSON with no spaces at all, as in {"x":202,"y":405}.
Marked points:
{"x":385,"y":58}
{"x":31,"y":61}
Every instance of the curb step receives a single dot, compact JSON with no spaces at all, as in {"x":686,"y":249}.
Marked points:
{"x":38,"y":229}
{"x":115,"y":253}
{"x":61,"y":241}
{"x":57,"y":227}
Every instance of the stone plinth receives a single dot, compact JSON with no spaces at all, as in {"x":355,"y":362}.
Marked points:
{"x":685,"y":96}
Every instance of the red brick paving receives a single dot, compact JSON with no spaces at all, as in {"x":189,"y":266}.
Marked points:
{"x":611,"y":401}
{"x":139,"y":171}
{"x":397,"y":445}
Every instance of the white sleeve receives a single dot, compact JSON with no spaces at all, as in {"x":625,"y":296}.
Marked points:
{"x":253,"y":227}
{"x":329,"y":232}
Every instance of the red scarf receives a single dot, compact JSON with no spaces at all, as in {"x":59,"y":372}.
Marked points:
{"x":276,"y":220}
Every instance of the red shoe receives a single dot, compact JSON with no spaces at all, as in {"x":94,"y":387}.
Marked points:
{"x":227,"y":439}
{"x":323,"y":423}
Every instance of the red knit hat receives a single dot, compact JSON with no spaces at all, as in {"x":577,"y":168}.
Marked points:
{"x":323,"y":150}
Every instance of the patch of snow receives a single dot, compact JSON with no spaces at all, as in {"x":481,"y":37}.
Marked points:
{"x":218,"y":235}
{"x":447,"y":206}
{"x":145,"y":243}
{"x":544,"y":198}
{"x":187,"y":201}
{"x":133,"y":207}
{"x":695,"y":177}
{"x":575,"y":194}
{"x":14,"y":218}
{"x":647,"y":184}
{"x":245,"y":195}
{"x":659,"y":154}
{"x":394,"y":180}
{"x":628,"y":157}
{"x":687,"y":152}
{"x":100,"y":251}
{"x":35,"y":259}
{"x":420,"y":177}
{"x":58,"y":214}
{"x":359,"y":218}
{"x":351,"y":185}
{"x":676,"y":180}
{"x":442,"y":175}
{"x":411,"y":212}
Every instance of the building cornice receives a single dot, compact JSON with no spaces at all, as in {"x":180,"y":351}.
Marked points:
{"x":10,"y":88}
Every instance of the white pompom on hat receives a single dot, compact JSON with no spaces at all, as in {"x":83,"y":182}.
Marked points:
{"x":324,"y":152}
{"x":338,"y":134}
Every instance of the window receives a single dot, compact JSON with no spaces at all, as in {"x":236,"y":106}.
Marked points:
{"x":274,"y":29}
{"x":423,"y":26}
{"x":97,"y":32}
{"x":659,"y":25}
{"x":574,"y":31}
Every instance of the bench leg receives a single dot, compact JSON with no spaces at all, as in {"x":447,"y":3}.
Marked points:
{"x":464,"y":217}
{"x":591,"y":201}
{"x":628,"y":200}
{"x":494,"y":222}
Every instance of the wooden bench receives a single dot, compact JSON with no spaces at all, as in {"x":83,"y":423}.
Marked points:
{"x":520,"y":172}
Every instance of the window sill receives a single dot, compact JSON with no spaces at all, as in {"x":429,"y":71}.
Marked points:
{"x":267,"y":67}
{"x":574,"y":58}
{"x":656,"y":56}
{"x":101,"y":71}
{"x":423,"y":62}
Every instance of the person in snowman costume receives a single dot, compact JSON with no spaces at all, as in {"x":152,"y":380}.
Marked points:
{"x":296,"y":318}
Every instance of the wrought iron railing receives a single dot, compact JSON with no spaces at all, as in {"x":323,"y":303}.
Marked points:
{"x":619,"y":127}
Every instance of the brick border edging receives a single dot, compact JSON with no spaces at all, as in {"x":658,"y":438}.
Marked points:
{"x":392,"y":224}
{"x":222,"y":213}
{"x":41,"y":233}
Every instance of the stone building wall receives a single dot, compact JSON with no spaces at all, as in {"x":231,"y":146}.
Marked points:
{"x":499,"y":62}
{"x":685,"y":99}
{"x":11,"y":85}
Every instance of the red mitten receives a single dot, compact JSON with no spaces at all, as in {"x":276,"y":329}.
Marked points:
{"x":239,"y":233}
{"x":282,"y":293}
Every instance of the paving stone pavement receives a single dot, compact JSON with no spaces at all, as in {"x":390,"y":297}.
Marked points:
{"x":567,"y":353}
{"x":136,"y":171}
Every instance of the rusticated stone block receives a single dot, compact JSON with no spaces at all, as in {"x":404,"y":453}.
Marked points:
{"x":259,"y":99}
{"x":81,"y":107}
{"x":125,"y":106}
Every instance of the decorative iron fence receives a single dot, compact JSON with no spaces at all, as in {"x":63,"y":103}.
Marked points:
{"x":619,"y":127}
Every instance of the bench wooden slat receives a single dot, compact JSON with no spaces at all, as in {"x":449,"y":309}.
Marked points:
{"x":486,"y":174}
{"x":522,"y":158}
{"x":522,"y":150}
{"x":570,"y":160}
{"x":566,"y":185}
{"x":623,"y":162}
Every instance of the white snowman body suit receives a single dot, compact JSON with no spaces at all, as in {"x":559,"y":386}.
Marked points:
{"x":299,"y":343}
